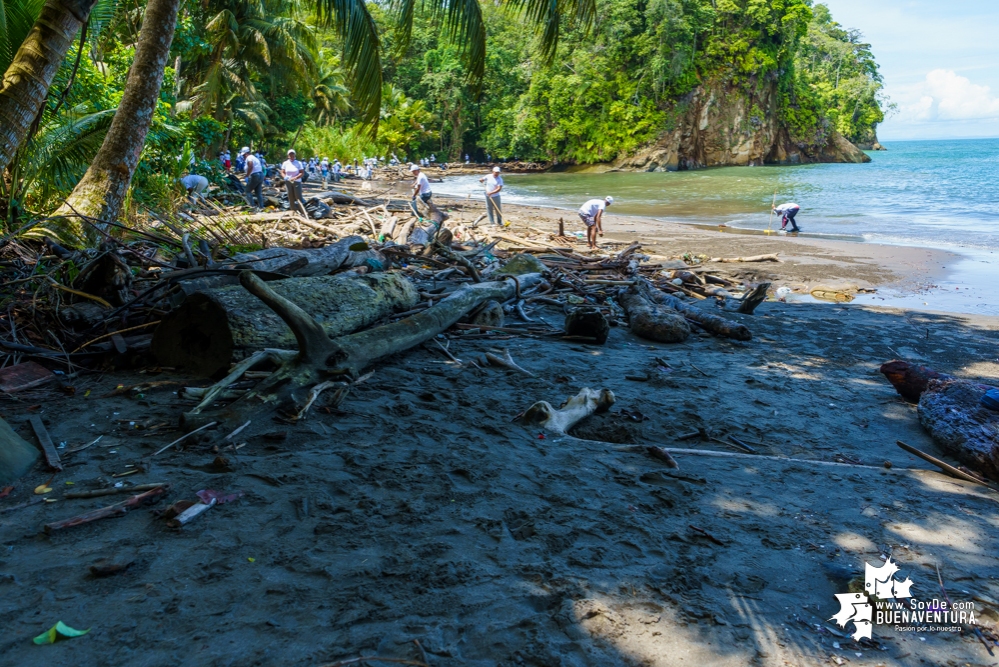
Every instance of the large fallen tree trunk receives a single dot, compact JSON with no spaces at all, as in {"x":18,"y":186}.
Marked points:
{"x":719,"y":326}
{"x":650,"y":320}
{"x":320,"y":358}
{"x":953,"y":414}
{"x":216,"y":327}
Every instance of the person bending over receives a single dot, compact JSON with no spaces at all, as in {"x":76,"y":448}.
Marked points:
{"x":592,"y":215}
{"x":787,"y":212}
{"x":195,"y":185}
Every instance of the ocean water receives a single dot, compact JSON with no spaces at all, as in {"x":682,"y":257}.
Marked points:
{"x":934,"y":193}
{"x":939,"y":194}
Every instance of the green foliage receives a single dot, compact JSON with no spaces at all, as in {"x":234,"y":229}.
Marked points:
{"x":571,"y":81}
{"x":838,"y":74}
{"x":343,"y":143}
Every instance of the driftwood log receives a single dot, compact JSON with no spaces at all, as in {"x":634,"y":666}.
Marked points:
{"x":292,"y":262}
{"x":321,"y":358}
{"x":215,"y":327}
{"x":651,"y":321}
{"x":910,"y":380}
{"x":747,"y":303}
{"x":714,"y":324}
{"x":952,"y":413}
{"x":575,"y":409}
{"x":17,"y":456}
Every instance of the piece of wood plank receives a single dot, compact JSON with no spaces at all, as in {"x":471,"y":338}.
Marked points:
{"x":48,"y":449}
{"x":103,"y":512}
{"x":24,"y":376}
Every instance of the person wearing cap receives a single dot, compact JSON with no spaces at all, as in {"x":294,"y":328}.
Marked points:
{"x":421,"y":188}
{"x":292,"y":172}
{"x":494,"y":183}
{"x":592,"y":214}
{"x":254,"y":177}
{"x":195,"y":185}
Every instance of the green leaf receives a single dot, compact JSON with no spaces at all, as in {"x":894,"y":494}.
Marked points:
{"x":58,"y":632}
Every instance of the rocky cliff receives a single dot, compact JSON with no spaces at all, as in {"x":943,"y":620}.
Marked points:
{"x":718,"y":125}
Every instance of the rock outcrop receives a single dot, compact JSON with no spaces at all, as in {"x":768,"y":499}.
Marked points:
{"x":722,"y":125}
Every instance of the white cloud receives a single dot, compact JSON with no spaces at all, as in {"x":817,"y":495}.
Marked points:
{"x":947,"y":96}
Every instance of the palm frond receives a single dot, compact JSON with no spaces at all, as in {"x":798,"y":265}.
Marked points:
{"x":464,"y":25}
{"x":16,"y":20}
{"x":547,"y":16}
{"x":405,"y":11}
{"x":60,"y":153}
{"x":101,"y":16}
{"x":362,"y":56}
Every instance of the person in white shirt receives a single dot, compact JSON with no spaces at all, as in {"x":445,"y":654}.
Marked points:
{"x":421,"y":188}
{"x":787,"y":212}
{"x":254,"y":177}
{"x":592,"y":215}
{"x":194,"y":185}
{"x":494,"y":184}
{"x":291,"y":172}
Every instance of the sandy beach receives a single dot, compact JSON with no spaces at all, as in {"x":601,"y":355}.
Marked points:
{"x":419,"y":522}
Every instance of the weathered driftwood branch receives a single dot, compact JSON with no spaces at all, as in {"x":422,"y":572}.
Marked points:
{"x":506,"y":361}
{"x":576,"y":408}
{"x":750,"y":300}
{"x":211,"y":329}
{"x":753,"y":258}
{"x":650,"y":320}
{"x":319,"y":358}
{"x":711,"y":323}
{"x":314,"y":262}
{"x":104,"y":512}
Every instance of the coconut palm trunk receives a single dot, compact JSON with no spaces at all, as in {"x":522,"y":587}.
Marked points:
{"x":101,"y":191}
{"x":26,"y":82}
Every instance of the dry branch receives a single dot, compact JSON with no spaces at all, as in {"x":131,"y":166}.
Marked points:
{"x":320,"y":358}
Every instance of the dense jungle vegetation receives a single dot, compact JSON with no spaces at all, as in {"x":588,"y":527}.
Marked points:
{"x":578,"y":81}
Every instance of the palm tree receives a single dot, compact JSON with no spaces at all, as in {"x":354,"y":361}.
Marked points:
{"x":33,"y":67}
{"x":330,"y":96}
{"x":35,"y":36}
{"x":101,"y":191}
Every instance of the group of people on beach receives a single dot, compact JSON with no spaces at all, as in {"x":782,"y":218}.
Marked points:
{"x":294,"y":173}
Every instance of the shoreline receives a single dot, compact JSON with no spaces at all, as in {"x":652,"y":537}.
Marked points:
{"x":917,"y":277}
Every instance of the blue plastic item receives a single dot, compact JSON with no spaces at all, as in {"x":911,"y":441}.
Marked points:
{"x":991,"y":399}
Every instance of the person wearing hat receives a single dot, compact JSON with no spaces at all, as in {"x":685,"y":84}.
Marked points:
{"x":254,"y":177}
{"x":592,"y":214}
{"x":292,"y":172}
{"x":494,"y":183}
{"x":421,"y":188}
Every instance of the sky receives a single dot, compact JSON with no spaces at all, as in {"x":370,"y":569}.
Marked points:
{"x":939,"y":60}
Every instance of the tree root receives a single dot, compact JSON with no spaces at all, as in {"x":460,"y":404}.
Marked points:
{"x":321,"y":359}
